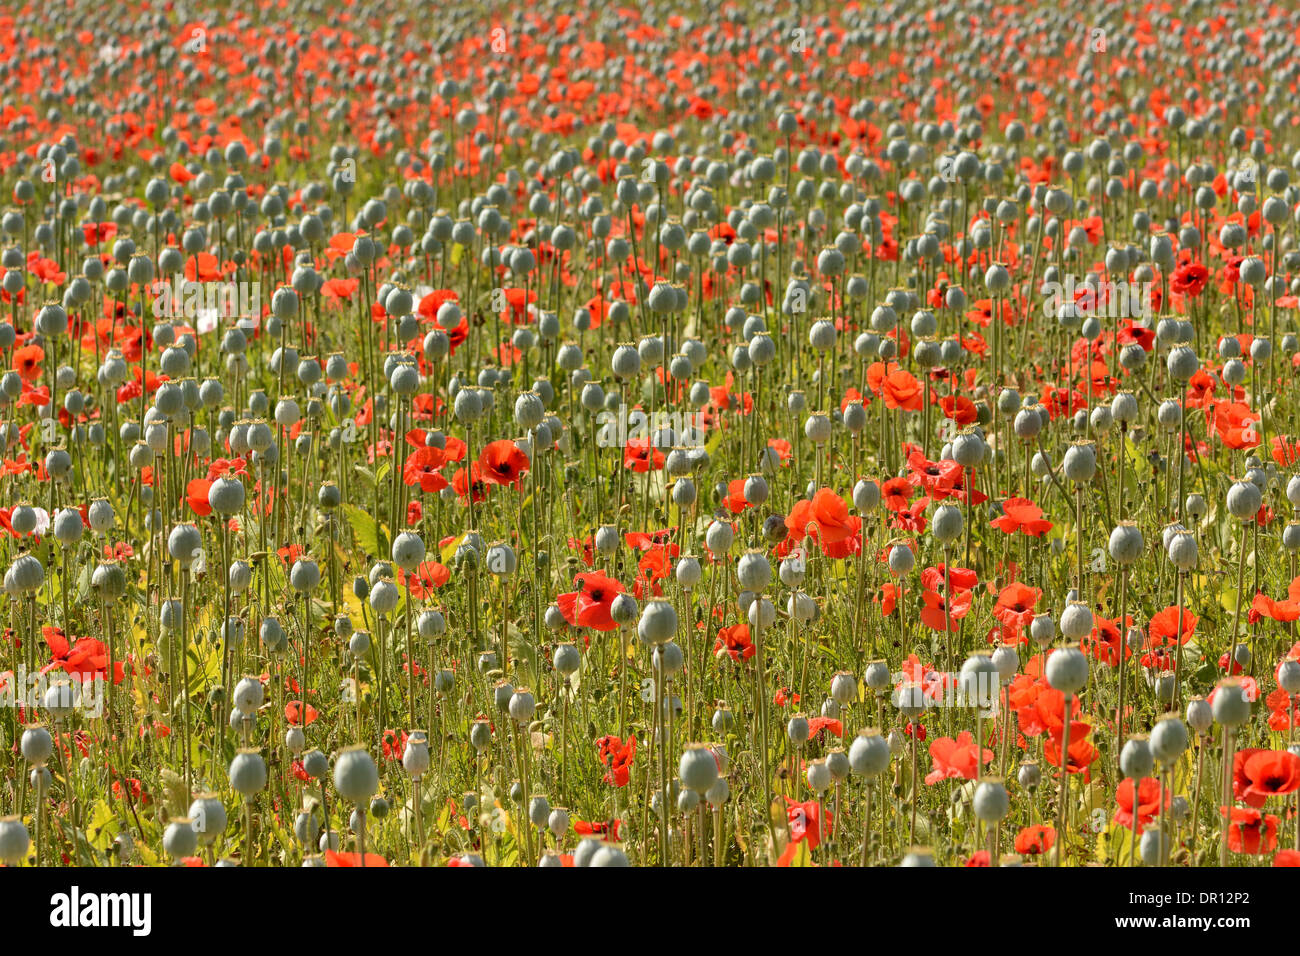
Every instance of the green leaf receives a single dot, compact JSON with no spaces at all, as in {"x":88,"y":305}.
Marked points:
{"x":365,"y":528}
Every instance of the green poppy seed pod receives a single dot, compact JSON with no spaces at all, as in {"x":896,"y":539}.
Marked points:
{"x":719,"y":793}
{"x":1076,"y":621}
{"x":557,"y":821}
{"x":817,"y":428}
{"x":36,"y":745}
{"x":415,"y":758}
{"x":819,"y":776}
{"x":359,"y":644}
{"x":1153,"y":846}
{"x":796,"y":730}
{"x":1080,"y":464}
{"x":1195,"y":505}
{"x":947,"y":524}
{"x":249,"y":695}
{"x":315,"y":763}
{"x":480,"y":735}
{"x":68,"y":527}
{"x":1126,"y":544}
{"x":1124,"y":407}
{"x":304,"y":576}
{"x":1070,"y":670}
{"x":1230,"y":703}
{"x":14,"y":840}
{"x":567,"y":659}
{"x":522,"y":705}
{"x":1244,"y":500}
{"x":844,"y":687}
{"x":866,"y":495}
{"x":586,"y":850}
{"x":977,"y":683}
{"x":901,"y":560}
{"x":183,"y":543}
{"x":837,"y":762}
{"x":658,"y":623}
{"x":1028,"y":423}
{"x":609,"y":854}
{"x":208,"y":818}
{"x":179,"y":839}
{"x":1200,"y":715}
{"x":240,"y":576}
{"x":1288,"y":676}
{"x":247,"y":773}
{"x":539,"y":810}
{"x":723,"y":721}
{"x":760,"y":613}
{"x":968,"y":449}
{"x":877,"y":676}
{"x":909,"y":698}
{"x":754,"y":571}
{"x":869,"y":753}
{"x":226,"y":496}
{"x":295,"y":740}
{"x":1030,"y":775}
{"x":1182,"y":549}
{"x":1007,"y":661}
{"x":718,"y":538}
{"x":383,"y":597}
{"x":1135,"y":759}
{"x":623,"y":610}
{"x":698,"y":768}
{"x":1182,"y":363}
{"x":355,"y":776}
{"x":688,"y":571}
{"x":108,"y":580}
{"x":26,"y":574}
{"x":919,"y":857}
{"x":408,"y":551}
{"x":431,"y":624}
{"x":1291,"y":537}
{"x":991,"y":801}
{"x":1168,"y":739}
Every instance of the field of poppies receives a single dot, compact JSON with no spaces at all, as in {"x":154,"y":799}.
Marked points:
{"x":726,"y":434}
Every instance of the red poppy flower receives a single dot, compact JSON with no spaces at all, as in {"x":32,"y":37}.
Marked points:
{"x":292,"y":713}
{"x":1250,"y":831}
{"x":955,"y":758}
{"x":617,"y":755}
{"x":1016,"y":603}
{"x":734,"y":641}
{"x":1036,"y":839}
{"x":1164,"y":628}
{"x":504,"y":463}
{"x":1258,"y":774}
{"x":1021,"y":514}
{"x":422,"y":469}
{"x":828,"y":520}
{"x":336,"y":858}
{"x":589,"y":606}
{"x":1148,"y":801}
